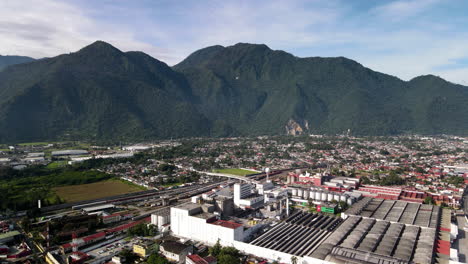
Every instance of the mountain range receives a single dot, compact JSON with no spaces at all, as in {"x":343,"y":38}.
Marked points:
{"x":102,"y":93}
{"x":11,"y":60}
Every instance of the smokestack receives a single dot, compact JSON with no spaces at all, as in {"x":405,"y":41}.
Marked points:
{"x":39,"y":204}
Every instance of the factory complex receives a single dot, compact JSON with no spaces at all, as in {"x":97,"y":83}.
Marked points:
{"x":292,"y":224}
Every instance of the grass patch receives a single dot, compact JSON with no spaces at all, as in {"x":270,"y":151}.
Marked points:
{"x":75,"y":193}
{"x":133,"y":185}
{"x":239,"y":172}
{"x":57,"y":164}
{"x":171,"y":184}
{"x":34,"y":144}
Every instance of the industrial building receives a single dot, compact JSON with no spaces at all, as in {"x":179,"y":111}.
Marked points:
{"x":367,"y":240}
{"x":423,"y":215}
{"x":69,"y":152}
{"x":161,"y":217}
{"x":318,"y":194}
{"x":299,"y":234}
{"x":245,"y":197}
{"x":197,"y":222}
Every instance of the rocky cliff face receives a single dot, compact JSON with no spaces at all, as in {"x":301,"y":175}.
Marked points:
{"x":294,"y":128}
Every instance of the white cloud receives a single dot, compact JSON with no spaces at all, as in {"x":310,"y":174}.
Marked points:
{"x":170,"y":31}
{"x":400,"y":9}
{"x":45,"y":28}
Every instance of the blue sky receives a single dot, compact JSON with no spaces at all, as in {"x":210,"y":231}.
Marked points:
{"x":401,"y":38}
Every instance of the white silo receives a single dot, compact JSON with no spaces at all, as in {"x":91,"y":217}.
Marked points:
{"x":294,"y":192}
{"x":350,"y":201}
{"x":324,"y":196}
{"x":306,"y":194}
{"x":343,"y":197}
{"x":336,"y":197}
{"x":312,"y":194}
{"x":300,"y":192}
{"x":330,"y":197}
{"x":318,"y":195}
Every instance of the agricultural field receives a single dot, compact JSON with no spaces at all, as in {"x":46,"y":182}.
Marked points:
{"x":239,"y":172}
{"x":74,"y":193}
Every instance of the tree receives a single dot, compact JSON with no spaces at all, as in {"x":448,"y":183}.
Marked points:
{"x":365,"y":180}
{"x":215,"y":250}
{"x":26,"y":223}
{"x":429,"y":200}
{"x":230,"y":251}
{"x":129,"y":256}
{"x":157,"y":259}
{"x":228,"y":259}
{"x":294,"y":260}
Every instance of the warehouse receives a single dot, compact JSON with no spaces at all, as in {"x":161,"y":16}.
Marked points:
{"x":423,"y":215}
{"x":299,"y":234}
{"x":69,"y":152}
{"x":369,"y":240}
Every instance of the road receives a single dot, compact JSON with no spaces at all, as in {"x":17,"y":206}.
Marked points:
{"x":462,"y":242}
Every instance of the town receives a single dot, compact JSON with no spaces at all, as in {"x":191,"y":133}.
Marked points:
{"x":271,"y":199}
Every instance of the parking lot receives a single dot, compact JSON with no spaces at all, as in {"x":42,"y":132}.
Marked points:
{"x":110,"y":247}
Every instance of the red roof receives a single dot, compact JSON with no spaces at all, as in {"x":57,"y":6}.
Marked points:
{"x":197,"y":259}
{"x":109,"y":216}
{"x":127,"y":226}
{"x":94,"y":236}
{"x":227,"y":224}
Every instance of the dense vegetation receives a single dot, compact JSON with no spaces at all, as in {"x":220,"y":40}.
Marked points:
{"x":20,"y":189}
{"x":101,"y":93}
{"x":225,"y":255}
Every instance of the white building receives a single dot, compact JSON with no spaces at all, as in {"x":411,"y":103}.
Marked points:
{"x":245,"y":198}
{"x":189,"y":221}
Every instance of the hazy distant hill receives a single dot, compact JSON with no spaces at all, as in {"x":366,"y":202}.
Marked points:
{"x":103,"y":93}
{"x":11,"y":60}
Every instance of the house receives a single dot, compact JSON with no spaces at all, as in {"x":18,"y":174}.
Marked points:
{"x":196,"y":259}
{"x":175,"y":251}
{"x":143,"y":249}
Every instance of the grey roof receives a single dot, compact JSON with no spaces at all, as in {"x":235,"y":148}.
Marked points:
{"x":69,"y":152}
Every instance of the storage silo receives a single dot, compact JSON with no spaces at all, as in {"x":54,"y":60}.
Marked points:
{"x":318,"y":196}
{"x":324,"y":196}
{"x":330,"y":197}
{"x":306,"y":194}
{"x":294,"y":192}
{"x":312,"y":194}
{"x":350,"y":201}
{"x":300,"y":192}
{"x":336,"y":197}
{"x":343,"y":197}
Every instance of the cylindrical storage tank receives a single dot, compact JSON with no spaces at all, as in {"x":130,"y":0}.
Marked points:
{"x":330,"y":197}
{"x":318,"y":195}
{"x":306,"y":194}
{"x":336,"y":197}
{"x":350,"y":201}
{"x":312,"y":195}
{"x":294,"y":192}
{"x":343,"y":197}
{"x":324,"y":196}
{"x":300,"y":192}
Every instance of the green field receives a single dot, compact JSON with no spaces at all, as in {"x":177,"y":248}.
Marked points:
{"x":57,"y":164}
{"x":75,"y":193}
{"x":34,"y":144}
{"x":239,"y":172}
